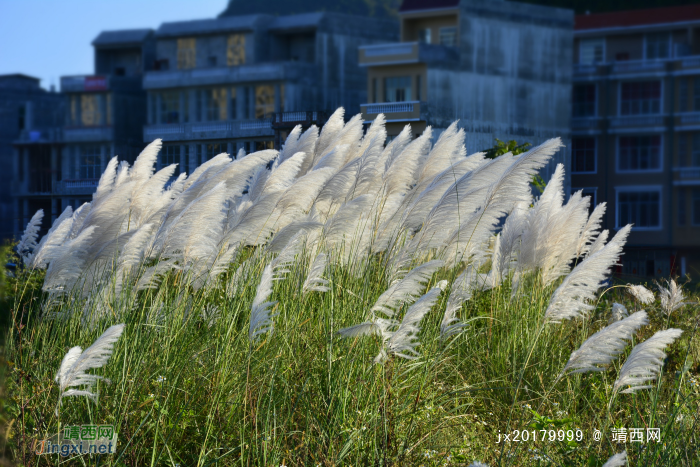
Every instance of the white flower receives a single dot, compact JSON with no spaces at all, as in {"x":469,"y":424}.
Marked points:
{"x":641,"y":293}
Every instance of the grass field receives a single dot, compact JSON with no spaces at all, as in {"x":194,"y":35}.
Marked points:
{"x":189,"y":386}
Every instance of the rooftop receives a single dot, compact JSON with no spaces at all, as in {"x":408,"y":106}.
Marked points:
{"x":646,"y":17}
{"x":122,"y":37}
{"x":413,"y":5}
{"x":211,"y":26}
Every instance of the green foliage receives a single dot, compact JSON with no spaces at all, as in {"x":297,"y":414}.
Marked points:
{"x":501,"y":148}
{"x":186,"y":390}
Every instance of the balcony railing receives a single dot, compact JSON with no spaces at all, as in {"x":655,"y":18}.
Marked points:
{"x":689,"y":117}
{"x":200,"y":130}
{"x":633,"y":66}
{"x":584,"y":123}
{"x":396,"y":111}
{"x":102,"y":133}
{"x":637,"y":121}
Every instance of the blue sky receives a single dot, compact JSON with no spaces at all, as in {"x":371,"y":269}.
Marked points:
{"x":51,"y":38}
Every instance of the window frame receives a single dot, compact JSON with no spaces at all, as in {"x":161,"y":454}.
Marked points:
{"x":640,"y":189}
{"x":619,"y":98}
{"x":646,"y":171}
{"x":95,"y":168}
{"x":595,"y":100}
{"x":669,"y":48}
{"x":595,"y":156}
{"x":580,"y":49}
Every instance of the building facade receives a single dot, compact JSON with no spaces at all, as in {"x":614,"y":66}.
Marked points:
{"x":503,"y":69}
{"x":33,"y":116}
{"x":636,"y":131}
{"x":243,"y":82}
{"x":101,"y":115}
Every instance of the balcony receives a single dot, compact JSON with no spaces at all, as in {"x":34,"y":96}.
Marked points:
{"x":639,"y":66}
{"x":227,"y":129}
{"x":585,"y":123}
{"x":282,"y":71}
{"x":631,"y":123}
{"x":396,"y":53}
{"x":394,"y":111}
{"x":688,"y":118}
{"x":75,"y":187}
{"x":97,"y":83}
{"x":88,"y":134}
{"x":686,"y":176}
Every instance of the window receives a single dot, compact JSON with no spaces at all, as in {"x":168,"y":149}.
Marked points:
{"x":448,"y":36}
{"x":418,"y":88}
{"x":583,"y":155}
{"x":397,"y":89}
{"x":591,"y":51}
{"x":696,"y":206}
{"x":211,"y":61}
{"x":643,"y":97}
{"x":90,"y":162}
{"x":214,"y":149}
{"x":235,"y":50}
{"x":584,"y":100}
{"x":696,"y":94}
{"x":89,"y":110}
{"x":424,"y":36}
{"x":641,"y":208}
{"x":73,"y":119}
{"x":186,"y":154}
{"x":262,"y":145}
{"x":200,"y":158}
{"x":591,"y":194}
{"x":622,"y":56}
{"x":170,"y":154}
{"x":681,"y":206}
{"x":162,"y":64}
{"x":186,"y":53}
{"x":374,"y":90}
{"x":215,"y":102}
{"x":683,"y":95}
{"x":108,"y":108}
{"x":682,"y":150}
{"x":657,"y":45}
{"x":639,"y":153}
{"x":281,"y":97}
{"x":21,"y":117}
{"x":169,"y":111}
{"x":232,"y":103}
{"x":695,"y":154}
{"x":264,"y":100}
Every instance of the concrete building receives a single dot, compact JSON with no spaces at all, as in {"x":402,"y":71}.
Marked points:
{"x":242,"y":82}
{"x":103,"y":115}
{"x":31,"y":114}
{"x":636,"y":131}
{"x":503,"y":69}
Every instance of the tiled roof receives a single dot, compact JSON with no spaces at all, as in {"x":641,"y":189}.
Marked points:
{"x":646,"y":17}
{"x":124,"y":36}
{"x":210,"y":26}
{"x":412,"y":5}
{"x":300,"y":21}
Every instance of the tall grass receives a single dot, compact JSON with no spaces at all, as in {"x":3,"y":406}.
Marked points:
{"x":190,"y":387}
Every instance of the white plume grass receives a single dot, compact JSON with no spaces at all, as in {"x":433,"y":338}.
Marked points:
{"x":605,"y":345}
{"x":617,"y":460}
{"x":76,"y":362}
{"x":645,"y":362}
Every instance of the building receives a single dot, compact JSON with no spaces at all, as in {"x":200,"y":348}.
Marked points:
{"x":503,"y":69}
{"x":33,"y":115}
{"x":102,"y":115}
{"x":243,"y":82}
{"x":636,"y":131}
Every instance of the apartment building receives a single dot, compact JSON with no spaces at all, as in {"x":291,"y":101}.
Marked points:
{"x":503,"y":69}
{"x":243,"y":82}
{"x":34,"y":115}
{"x":102,"y":115}
{"x":636,"y":131}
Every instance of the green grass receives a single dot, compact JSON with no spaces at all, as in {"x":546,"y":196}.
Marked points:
{"x":187,"y":391}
